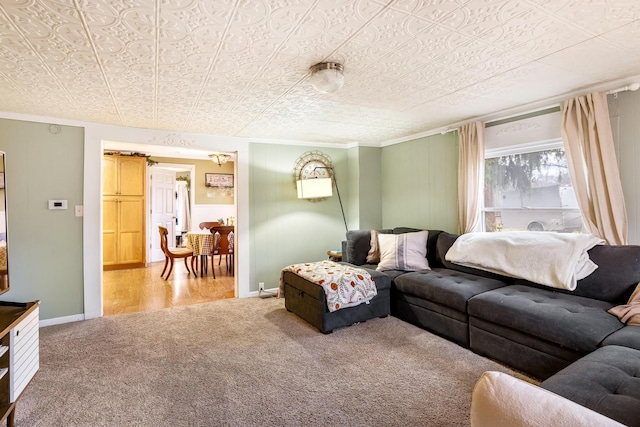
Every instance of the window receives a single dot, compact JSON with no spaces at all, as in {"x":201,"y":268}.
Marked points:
{"x":528,"y":187}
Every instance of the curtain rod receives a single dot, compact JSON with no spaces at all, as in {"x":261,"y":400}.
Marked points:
{"x":632,"y":87}
{"x":510,"y":119}
{"x":552,"y":103}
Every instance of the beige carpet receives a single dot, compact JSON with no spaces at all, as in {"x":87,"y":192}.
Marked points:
{"x":247,"y":362}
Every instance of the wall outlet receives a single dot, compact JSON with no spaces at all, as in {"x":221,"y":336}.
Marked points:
{"x":260,"y":286}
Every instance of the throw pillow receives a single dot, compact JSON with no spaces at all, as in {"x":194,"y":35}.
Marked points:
{"x":407,"y":251}
{"x":629,"y":313}
{"x":373,"y":257}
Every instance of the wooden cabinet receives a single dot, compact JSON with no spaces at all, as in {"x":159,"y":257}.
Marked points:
{"x":123,"y":175}
{"x":123,"y":230}
{"x":123,"y":226}
{"x":19,"y":352}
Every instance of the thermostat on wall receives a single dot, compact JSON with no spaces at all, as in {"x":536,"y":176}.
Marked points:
{"x":57,"y":204}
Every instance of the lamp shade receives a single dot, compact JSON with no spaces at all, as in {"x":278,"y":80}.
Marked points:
{"x":314,"y":188}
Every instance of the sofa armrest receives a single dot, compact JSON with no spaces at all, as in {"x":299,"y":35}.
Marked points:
{"x":345,"y":254}
{"x":502,"y":400}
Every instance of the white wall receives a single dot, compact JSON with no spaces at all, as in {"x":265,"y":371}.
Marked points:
{"x":202,"y":213}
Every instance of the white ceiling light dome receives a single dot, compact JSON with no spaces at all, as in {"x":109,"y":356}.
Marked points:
{"x":327,"y":77}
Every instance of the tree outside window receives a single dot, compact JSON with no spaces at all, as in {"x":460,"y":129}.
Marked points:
{"x":530,"y":191}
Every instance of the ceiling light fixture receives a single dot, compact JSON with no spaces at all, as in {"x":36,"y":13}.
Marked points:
{"x":327,"y":77}
{"x":219,"y":158}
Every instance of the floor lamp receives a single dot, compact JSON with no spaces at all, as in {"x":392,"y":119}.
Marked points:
{"x":316,"y":188}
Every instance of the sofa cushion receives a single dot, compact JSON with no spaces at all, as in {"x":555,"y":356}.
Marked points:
{"x":577,"y":323}
{"x":450,"y":288}
{"x":538,"y":358}
{"x":402,"y":230}
{"x":358,"y":244}
{"x":606,"y":381}
{"x":629,"y":336}
{"x":617,"y":274}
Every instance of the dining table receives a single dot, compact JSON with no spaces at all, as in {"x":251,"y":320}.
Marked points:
{"x":201,"y":243}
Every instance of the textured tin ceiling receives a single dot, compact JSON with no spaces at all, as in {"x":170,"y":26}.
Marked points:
{"x":240,"y":67}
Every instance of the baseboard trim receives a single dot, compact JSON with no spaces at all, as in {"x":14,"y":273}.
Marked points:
{"x":61,"y":320}
{"x":79,"y":317}
{"x":253,"y":294}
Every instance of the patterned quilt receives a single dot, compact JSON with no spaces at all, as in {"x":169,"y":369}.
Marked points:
{"x":344,"y":286}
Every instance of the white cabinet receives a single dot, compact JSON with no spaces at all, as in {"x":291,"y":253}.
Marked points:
{"x":24,"y":353}
{"x":19,"y":352}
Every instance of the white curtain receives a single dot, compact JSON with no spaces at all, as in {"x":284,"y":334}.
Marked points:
{"x":470,"y":176}
{"x":183,"y":212}
{"x":588,"y":141}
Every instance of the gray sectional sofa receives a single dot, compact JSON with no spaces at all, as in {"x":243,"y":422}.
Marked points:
{"x":533,"y":328}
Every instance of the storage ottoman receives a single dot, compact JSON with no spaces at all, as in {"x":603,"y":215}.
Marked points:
{"x":307,"y":300}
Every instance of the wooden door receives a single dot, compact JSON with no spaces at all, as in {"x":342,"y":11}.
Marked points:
{"x":163,"y":209}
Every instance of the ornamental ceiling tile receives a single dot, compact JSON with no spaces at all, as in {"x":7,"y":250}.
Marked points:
{"x":239,"y":68}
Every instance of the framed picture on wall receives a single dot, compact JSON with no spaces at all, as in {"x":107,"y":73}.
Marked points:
{"x":218,"y":180}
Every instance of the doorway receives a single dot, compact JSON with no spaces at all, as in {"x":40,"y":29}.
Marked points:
{"x":143,"y":289}
{"x":170,"y":203}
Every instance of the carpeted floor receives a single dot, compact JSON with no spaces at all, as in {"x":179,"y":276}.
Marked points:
{"x":247,"y":362}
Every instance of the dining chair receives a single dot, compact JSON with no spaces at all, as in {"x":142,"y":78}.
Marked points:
{"x":208,"y":224}
{"x":224,"y":245}
{"x":171,"y":253}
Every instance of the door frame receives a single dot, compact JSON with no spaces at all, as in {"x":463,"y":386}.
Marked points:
{"x":192,"y":195}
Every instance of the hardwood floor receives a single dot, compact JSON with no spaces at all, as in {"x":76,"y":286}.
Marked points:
{"x":142,"y":289}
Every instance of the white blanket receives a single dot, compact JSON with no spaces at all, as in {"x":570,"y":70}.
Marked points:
{"x":558,"y":260}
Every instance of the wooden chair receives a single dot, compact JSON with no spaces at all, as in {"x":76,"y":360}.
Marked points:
{"x":223,"y":245}
{"x":208,"y":224}
{"x":171,"y":253}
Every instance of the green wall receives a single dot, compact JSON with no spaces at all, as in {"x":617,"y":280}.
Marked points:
{"x":365,"y":178}
{"x":420,"y":183}
{"x":45,"y":246}
{"x":284,"y":229}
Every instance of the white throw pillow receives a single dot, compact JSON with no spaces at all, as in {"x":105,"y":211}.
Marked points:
{"x":406,"y":251}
